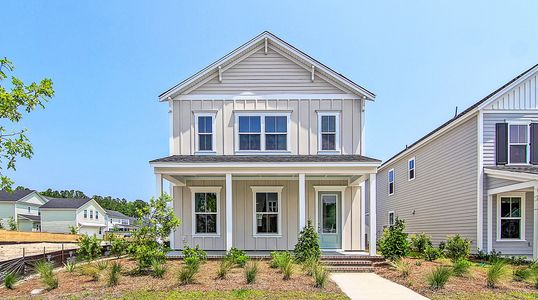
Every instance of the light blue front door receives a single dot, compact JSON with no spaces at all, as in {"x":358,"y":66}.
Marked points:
{"x":329,"y":223}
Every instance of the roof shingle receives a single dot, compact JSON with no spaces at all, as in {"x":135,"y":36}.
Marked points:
{"x":65,"y":203}
{"x":265,"y":158}
{"x":15,"y":195}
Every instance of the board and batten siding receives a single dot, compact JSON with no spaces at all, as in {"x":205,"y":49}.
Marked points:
{"x":441,"y":200}
{"x":523,"y":96}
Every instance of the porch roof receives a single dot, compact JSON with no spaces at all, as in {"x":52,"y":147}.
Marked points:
{"x":531,"y":169}
{"x":265,"y":159}
{"x":30,"y":217}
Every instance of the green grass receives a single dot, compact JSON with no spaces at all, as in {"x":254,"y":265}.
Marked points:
{"x":236,"y":294}
{"x":485,"y":295}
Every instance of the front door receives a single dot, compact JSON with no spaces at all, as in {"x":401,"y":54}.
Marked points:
{"x":329,"y":228}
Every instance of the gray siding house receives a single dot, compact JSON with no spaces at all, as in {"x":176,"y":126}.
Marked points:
{"x":475,"y":175}
{"x":261,"y":141}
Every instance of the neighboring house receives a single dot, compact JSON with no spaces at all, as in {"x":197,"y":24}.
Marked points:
{"x":23,"y":207}
{"x":59,"y":214}
{"x":116,"y":221}
{"x":261,"y":141}
{"x":475,"y":175}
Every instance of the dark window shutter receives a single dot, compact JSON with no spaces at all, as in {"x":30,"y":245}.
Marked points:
{"x":534,"y":139}
{"x":501,"y":143}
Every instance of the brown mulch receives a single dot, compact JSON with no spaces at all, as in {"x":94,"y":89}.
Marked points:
{"x":83,"y":287}
{"x":475,"y":281}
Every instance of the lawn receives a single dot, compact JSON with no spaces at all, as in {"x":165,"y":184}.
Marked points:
{"x":470,"y":286}
{"x":269,"y":284}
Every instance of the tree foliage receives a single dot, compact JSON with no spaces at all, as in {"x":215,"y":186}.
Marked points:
{"x":393,"y":244}
{"x":17,"y":98}
{"x":307,"y":246}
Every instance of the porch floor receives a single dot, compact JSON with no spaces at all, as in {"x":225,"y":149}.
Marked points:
{"x":261,"y":254}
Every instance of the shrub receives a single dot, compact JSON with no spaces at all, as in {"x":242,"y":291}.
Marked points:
{"x":102,"y":265}
{"x":192,"y":262}
{"x":461,"y":267}
{"x":251,"y":271}
{"x":196,"y":251}
{"x":187,"y":272}
{"x":495,"y":273}
{"x":403,"y":267}
{"x":158,"y":269}
{"x":89,"y":247}
{"x":224,"y":267}
{"x":393,"y":243}
{"x":458,"y":247}
{"x":521,"y":274}
{"x":320,"y":276}
{"x":237,"y":257}
{"x":45,"y":271}
{"x":419,"y":243}
{"x":439,"y":277}
{"x":442,"y":246}
{"x":12,"y":224}
{"x":114,"y":274}
{"x":72,"y":229}
{"x":278,"y":258}
{"x":10,"y":279}
{"x":90,"y":270}
{"x":431,"y":253}
{"x":146,"y":253}
{"x":307,"y":244}
{"x":310,"y":265}
{"x":69,"y":266}
{"x":118,"y":245}
{"x":494,"y":256}
{"x":534,"y":273}
{"x":287,"y":268}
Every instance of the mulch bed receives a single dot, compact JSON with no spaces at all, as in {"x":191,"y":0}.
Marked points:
{"x":84,"y":288}
{"x":475,"y":281}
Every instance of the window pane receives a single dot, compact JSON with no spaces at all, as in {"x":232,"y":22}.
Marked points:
{"x":391,"y":176}
{"x":515,"y":210}
{"x":281,"y":124}
{"x":267,"y":223}
{"x":272,"y":202}
{"x":249,"y":142}
{"x":412,"y":164}
{"x":518,"y":133}
{"x":275,"y":142}
{"x":244,"y":124}
{"x":260,"y":202}
{"x":205,"y":125}
{"x":412,"y":174}
{"x":211,"y":202}
{"x":505,"y":207}
{"x":205,"y":142}
{"x":328,"y":141}
{"x":328,"y":124}
{"x":255,"y":124}
{"x":270,"y":124}
{"x":510,"y":229}
{"x":209,"y":124}
{"x":329,"y":214}
{"x":211,"y":223}
{"x":199,"y":202}
{"x":391,"y":187}
{"x":518,"y":154}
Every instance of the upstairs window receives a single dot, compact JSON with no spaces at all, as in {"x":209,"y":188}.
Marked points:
{"x":411,"y":169}
{"x":91,"y":214}
{"x":329,"y":135}
{"x":85,"y":214}
{"x":205,"y":132}
{"x":391,"y":181}
{"x":96,"y":215}
{"x":391,"y":219}
{"x":518,"y":144}
{"x":250,"y":133}
{"x":29,"y":209}
{"x":262,"y":132}
{"x":276,"y":130}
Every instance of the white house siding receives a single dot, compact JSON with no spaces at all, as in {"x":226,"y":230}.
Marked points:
{"x":57,"y":221}
{"x":441,"y":200}
{"x":521,"y":97}
{"x":7,"y":210}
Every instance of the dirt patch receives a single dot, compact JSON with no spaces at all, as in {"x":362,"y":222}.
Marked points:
{"x":84,"y":288}
{"x":474,"y":282}
{"x":8,"y":252}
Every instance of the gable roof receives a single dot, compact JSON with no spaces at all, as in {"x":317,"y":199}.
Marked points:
{"x":15,"y":195}
{"x":320,"y":68}
{"x":340,"y":158}
{"x":469,"y":111}
{"x":116,"y":214}
{"x":70,"y":203}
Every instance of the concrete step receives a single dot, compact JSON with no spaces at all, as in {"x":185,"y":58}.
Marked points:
{"x":347,"y":262}
{"x":351,"y":269}
{"x":352,"y":257}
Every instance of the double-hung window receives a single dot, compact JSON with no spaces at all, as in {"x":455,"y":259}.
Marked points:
{"x":250,"y":132}
{"x":267,"y":210}
{"x":329,"y":131}
{"x":205,"y":132}
{"x":510,"y":224}
{"x":391,"y":181}
{"x":85,"y":214}
{"x":96,"y":215}
{"x":518,"y":143}
{"x":391,"y":219}
{"x":262,"y":132}
{"x":91,"y":214}
{"x":206,"y":210}
{"x":411,"y":169}
{"x":276,"y":133}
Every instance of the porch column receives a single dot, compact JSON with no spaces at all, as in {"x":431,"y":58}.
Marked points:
{"x":535,"y":223}
{"x":229,"y":212}
{"x":158,"y":185}
{"x":373,"y":221}
{"x":363,"y":216}
{"x":489,"y":231}
{"x":302,"y":201}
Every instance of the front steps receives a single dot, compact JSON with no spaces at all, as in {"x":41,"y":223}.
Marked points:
{"x":351,"y":263}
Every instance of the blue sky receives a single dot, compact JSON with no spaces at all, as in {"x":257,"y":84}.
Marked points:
{"x":110,"y":59}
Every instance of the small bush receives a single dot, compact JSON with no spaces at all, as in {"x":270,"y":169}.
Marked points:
{"x":102,"y":265}
{"x":12,"y":224}
{"x":534,"y":273}
{"x":114,"y":274}
{"x":403,"y":267}
{"x":457,"y":248}
{"x":495,"y":273}
{"x":45,"y":271}
{"x":307,"y":244}
{"x":237,"y":257}
{"x":89,"y":247}
{"x":442,"y":246}
{"x":439,"y":277}
{"x":419,"y":243}
{"x":287,"y":269}
{"x":118,"y":245}
{"x":310,"y":265}
{"x":192,"y":262}
{"x":196,"y":251}
{"x":521,"y":274}
{"x":431,"y":253}
{"x":251,"y":271}
{"x":90,"y":270}
{"x":158,"y":269}
{"x":69,"y":266}
{"x":10,"y":279}
{"x":186,"y":274}
{"x":393,"y":243}
{"x":320,"y":276}
{"x":224,"y":267}
{"x":461,"y":267}
{"x":278,"y":258}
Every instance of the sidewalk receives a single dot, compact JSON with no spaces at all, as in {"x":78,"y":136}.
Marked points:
{"x":366,"y":286}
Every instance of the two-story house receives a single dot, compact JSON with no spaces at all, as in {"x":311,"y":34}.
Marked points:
{"x":261,"y":141}
{"x":475,"y":175}
{"x":118,"y":222}
{"x":23,"y":207}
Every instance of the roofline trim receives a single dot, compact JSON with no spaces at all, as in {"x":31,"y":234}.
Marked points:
{"x":220,"y":165}
{"x":511,"y":175}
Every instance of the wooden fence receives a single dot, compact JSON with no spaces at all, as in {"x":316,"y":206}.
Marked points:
{"x":36,"y":237}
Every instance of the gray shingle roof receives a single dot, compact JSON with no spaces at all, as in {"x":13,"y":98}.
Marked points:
{"x":518,"y":169}
{"x":65,"y":203}
{"x":116,"y":214}
{"x":15,"y":195}
{"x":31,"y":217}
{"x":264,"y":158}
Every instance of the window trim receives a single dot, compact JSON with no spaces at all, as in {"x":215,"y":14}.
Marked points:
{"x":409,"y":169}
{"x":338,"y":132}
{"x":213,"y":116}
{"x":393,"y":218}
{"x":521,"y":195}
{"x":29,"y":209}
{"x":393,"y":181}
{"x":85,"y":214}
{"x":204,"y":189}
{"x":262,"y":116}
{"x":267,"y":189}
{"x":528,"y":147}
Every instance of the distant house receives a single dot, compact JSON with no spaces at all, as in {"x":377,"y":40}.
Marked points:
{"x":59,"y":214}
{"x":116,"y":221}
{"x":23,"y":207}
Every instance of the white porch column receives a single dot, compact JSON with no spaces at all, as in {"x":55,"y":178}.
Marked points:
{"x":373,"y":209}
{"x":362,"y":244}
{"x":229,"y":212}
{"x":173,"y":232}
{"x":302,"y":201}
{"x":158,"y":185}
{"x":535,"y":224}
{"x":489,"y":231}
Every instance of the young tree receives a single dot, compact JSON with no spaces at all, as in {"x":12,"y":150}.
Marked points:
{"x":16,"y":98}
{"x":12,"y":224}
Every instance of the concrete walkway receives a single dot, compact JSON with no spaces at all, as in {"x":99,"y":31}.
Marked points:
{"x":366,"y":286}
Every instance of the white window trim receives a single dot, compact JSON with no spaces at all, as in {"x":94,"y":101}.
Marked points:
{"x":213,"y":134}
{"x":414,"y":169}
{"x":522,"y":223}
{"x":337,"y":149}
{"x":262,"y":116}
{"x":267,"y":189}
{"x":527,"y":123}
{"x":393,"y":217}
{"x":204,"y":189}
{"x":393,"y":182}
